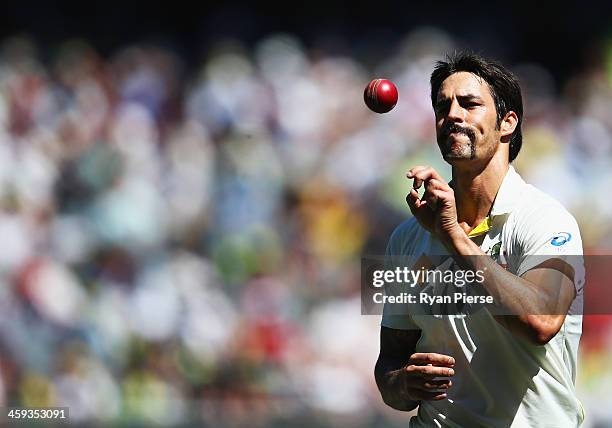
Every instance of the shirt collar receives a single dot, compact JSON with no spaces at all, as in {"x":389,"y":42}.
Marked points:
{"x":510,"y":193}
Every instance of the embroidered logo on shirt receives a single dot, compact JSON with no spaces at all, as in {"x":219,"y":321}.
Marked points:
{"x":498,"y":255}
{"x":494,"y":251}
{"x":560,"y":239}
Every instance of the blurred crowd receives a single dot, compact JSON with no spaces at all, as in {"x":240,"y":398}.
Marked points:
{"x":181,"y":245}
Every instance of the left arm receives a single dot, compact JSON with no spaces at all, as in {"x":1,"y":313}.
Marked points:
{"x":541,"y":297}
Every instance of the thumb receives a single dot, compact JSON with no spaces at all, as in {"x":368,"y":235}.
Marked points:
{"x":413,"y":201}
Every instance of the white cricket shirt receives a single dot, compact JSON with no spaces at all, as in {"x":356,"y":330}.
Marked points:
{"x":502,"y":380}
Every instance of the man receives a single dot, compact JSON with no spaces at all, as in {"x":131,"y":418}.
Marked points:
{"x":481,"y":369}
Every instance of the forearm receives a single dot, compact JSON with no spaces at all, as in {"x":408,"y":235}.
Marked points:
{"x":515,"y":295}
{"x":509,"y":291}
{"x":388,"y":380}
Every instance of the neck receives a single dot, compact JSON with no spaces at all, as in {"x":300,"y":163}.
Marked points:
{"x":475,"y":191}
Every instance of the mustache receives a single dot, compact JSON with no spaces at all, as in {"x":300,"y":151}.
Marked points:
{"x":451,"y":127}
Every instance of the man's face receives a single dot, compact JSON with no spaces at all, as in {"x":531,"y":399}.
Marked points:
{"x":466,"y":119}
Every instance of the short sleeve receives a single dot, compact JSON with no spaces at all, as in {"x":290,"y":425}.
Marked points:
{"x":396,"y":316}
{"x":552,"y":233}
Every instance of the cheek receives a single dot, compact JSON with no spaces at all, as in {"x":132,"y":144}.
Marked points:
{"x":487,"y":126}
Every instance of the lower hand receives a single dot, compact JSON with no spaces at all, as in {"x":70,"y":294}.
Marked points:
{"x":419,"y":378}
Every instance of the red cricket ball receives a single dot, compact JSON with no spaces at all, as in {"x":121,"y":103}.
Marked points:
{"x":380,"y":95}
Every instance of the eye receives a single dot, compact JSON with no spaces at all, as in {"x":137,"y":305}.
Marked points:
{"x":472,"y":104}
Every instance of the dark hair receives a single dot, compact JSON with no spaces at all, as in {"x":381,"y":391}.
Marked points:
{"x":504,"y":86}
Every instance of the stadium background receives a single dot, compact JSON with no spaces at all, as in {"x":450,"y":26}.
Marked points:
{"x":185,"y":194}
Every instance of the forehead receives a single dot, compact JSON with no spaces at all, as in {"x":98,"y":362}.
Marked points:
{"x":464,"y":83}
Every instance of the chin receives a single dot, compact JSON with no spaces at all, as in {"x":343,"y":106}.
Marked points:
{"x":457,"y":155}
{"x":454,"y":161}
{"x":454,"y":150}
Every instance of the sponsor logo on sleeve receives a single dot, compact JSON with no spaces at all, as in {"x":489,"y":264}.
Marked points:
{"x":561,"y":238}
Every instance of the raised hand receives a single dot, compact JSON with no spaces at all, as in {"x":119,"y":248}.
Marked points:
{"x":436,"y":210}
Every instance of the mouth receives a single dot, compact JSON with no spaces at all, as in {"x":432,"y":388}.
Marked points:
{"x":457,"y":136}
{"x":453,"y":132}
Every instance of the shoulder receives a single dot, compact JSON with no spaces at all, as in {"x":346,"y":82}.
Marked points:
{"x":538,"y":209}
{"x":542,"y":225}
{"x":527,"y":205}
{"x":542,"y":228}
{"x":405,"y":236}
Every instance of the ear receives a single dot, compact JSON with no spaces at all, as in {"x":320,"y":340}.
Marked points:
{"x":507,"y":126}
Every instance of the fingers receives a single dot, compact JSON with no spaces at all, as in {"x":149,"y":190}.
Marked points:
{"x":434,"y":196}
{"x":412,"y":198}
{"x":431,"y":196}
{"x":428,"y":375}
{"x":430,"y":371}
{"x":414,"y":202}
{"x":418,"y":394}
{"x":431,"y":199}
{"x":433,"y":358}
{"x":434,"y":385}
{"x":419,"y":174}
{"x":433,"y":182}
{"x":422,"y":174}
{"x":438,"y":195}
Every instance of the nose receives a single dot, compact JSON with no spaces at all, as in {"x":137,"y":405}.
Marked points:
{"x":455,"y":112}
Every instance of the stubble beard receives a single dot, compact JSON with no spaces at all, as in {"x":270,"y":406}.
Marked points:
{"x":461,"y":146}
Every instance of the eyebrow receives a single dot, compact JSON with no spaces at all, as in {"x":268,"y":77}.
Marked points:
{"x":464,"y":98}
{"x":467,"y":97}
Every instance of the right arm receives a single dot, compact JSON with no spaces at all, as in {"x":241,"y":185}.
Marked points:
{"x":404,"y":377}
